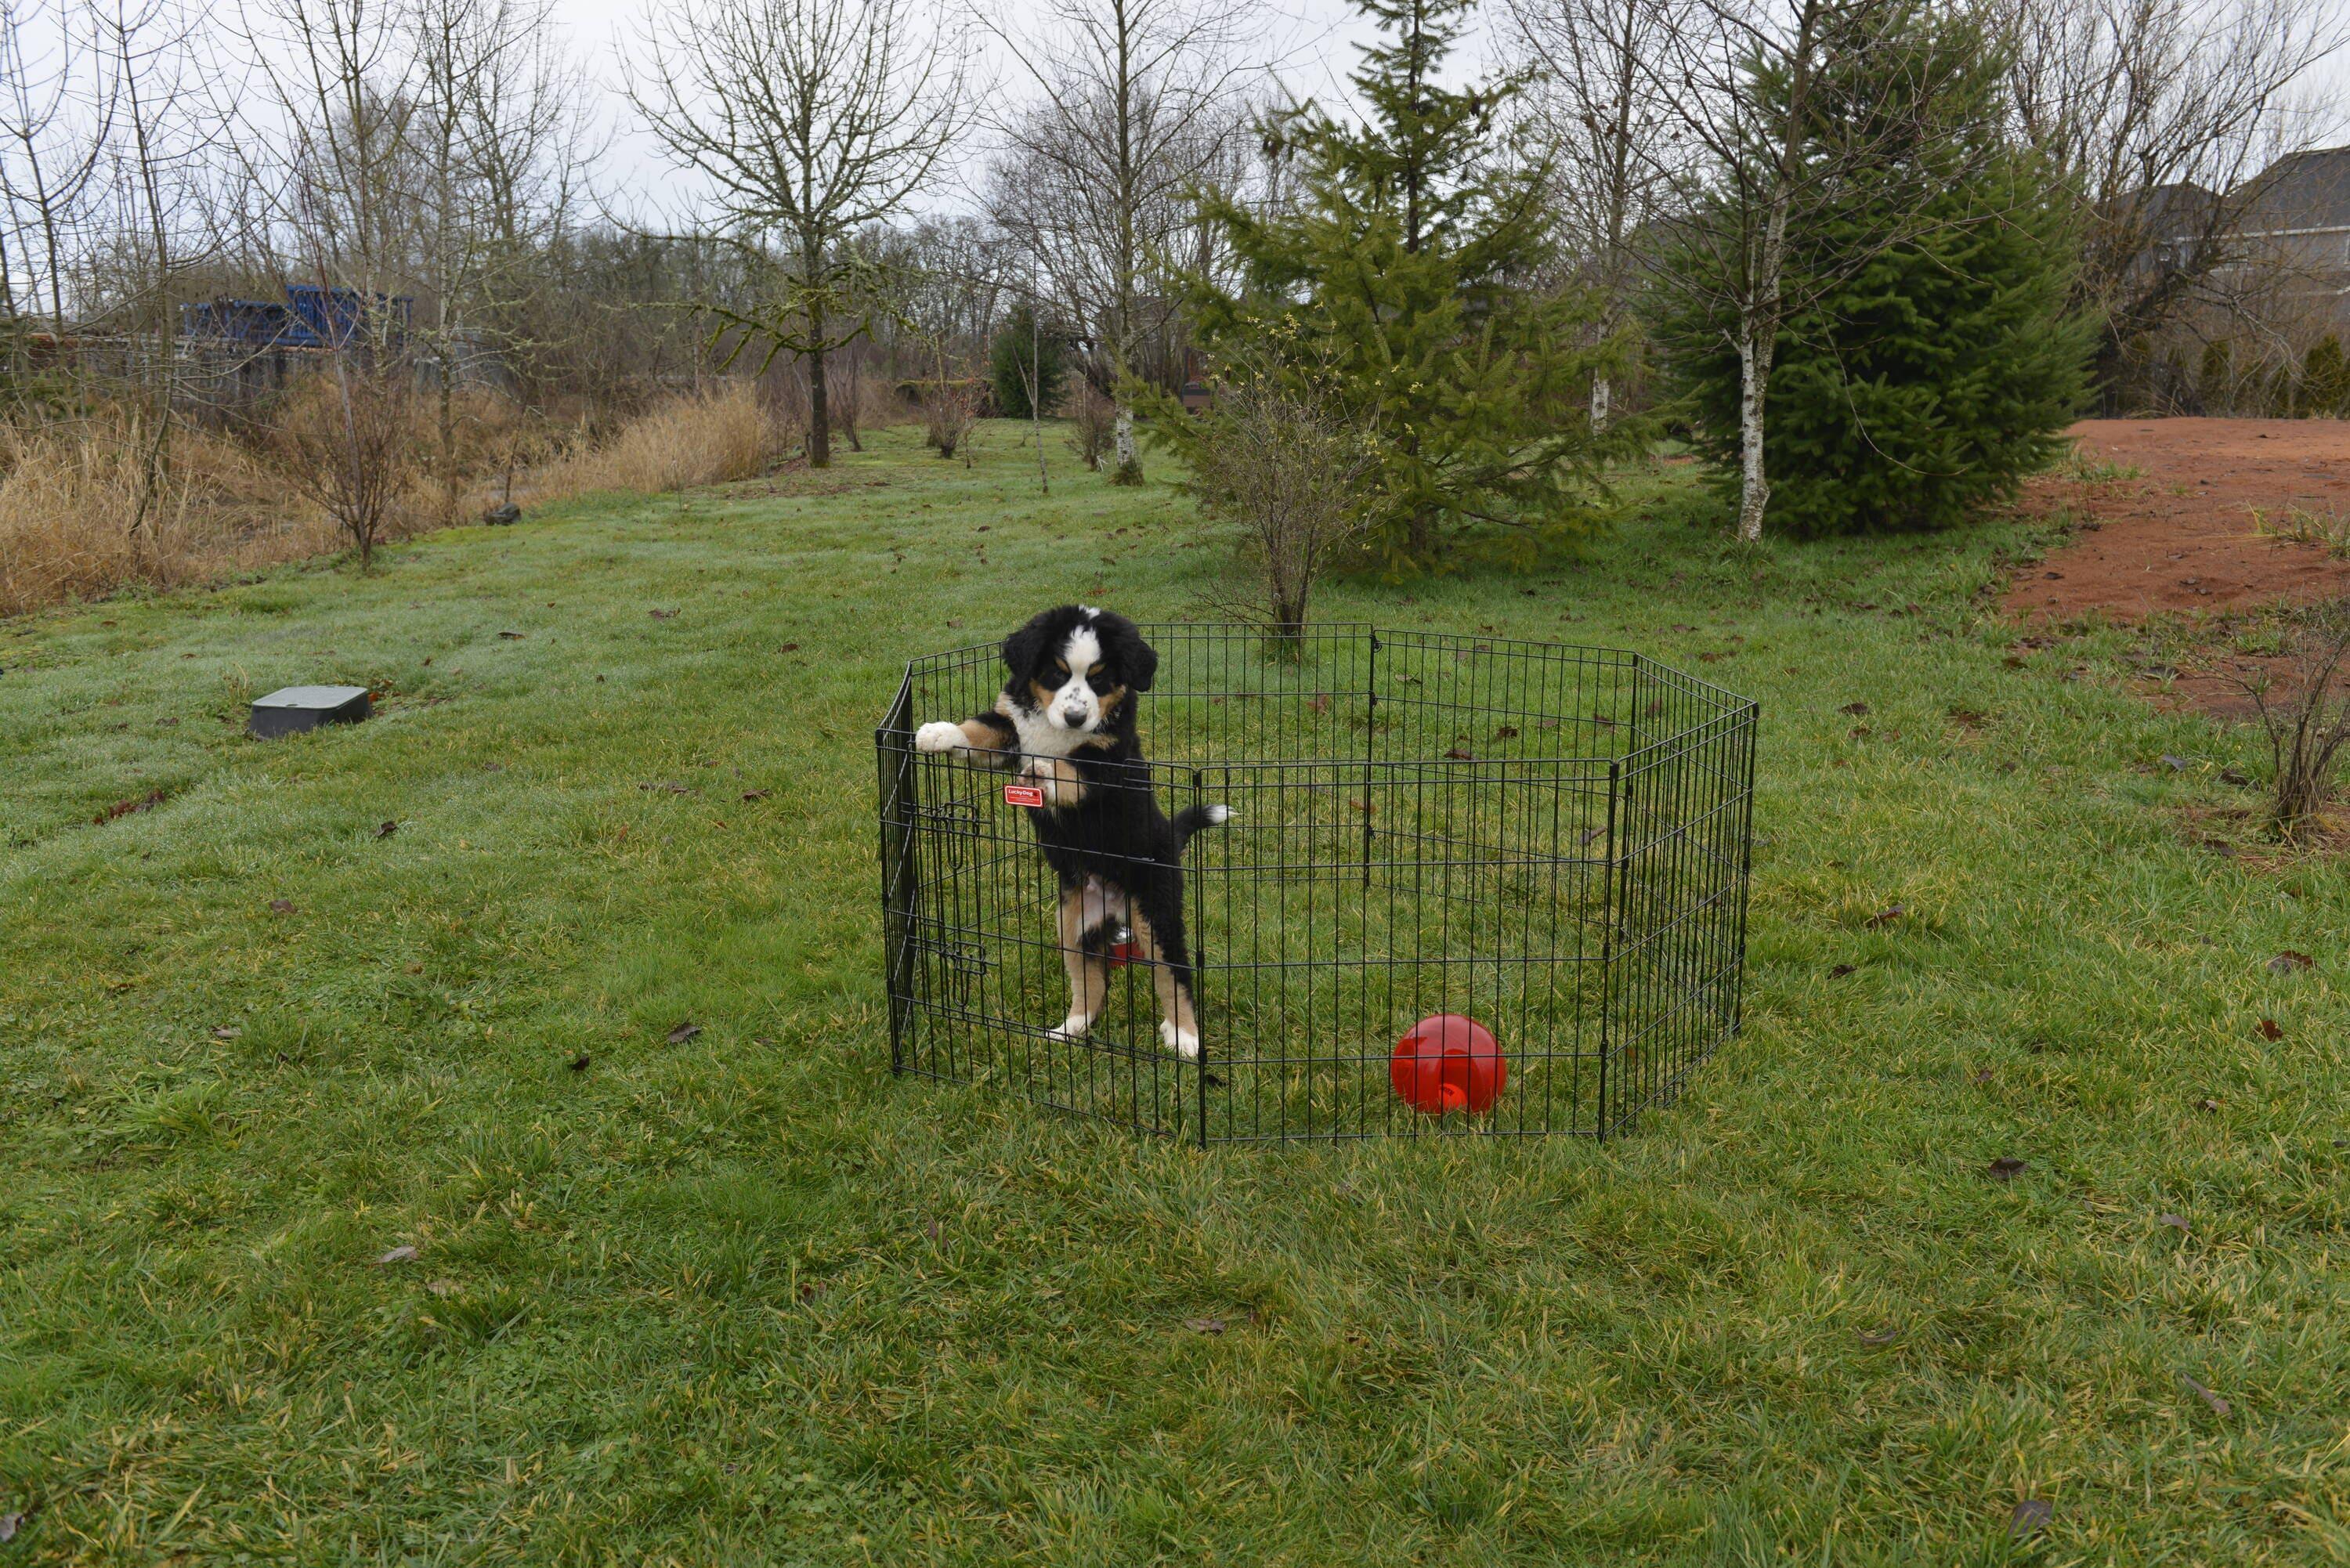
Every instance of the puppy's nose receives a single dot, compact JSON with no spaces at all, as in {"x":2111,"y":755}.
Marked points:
{"x":1075,"y":718}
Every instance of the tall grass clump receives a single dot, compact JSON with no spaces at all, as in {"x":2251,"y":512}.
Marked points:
{"x":72,"y":525}
{"x":710,"y":438}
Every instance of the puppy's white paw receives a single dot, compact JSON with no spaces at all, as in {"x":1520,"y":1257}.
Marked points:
{"x":1182,"y":1042}
{"x":938,"y":736}
{"x":1076,"y":1027}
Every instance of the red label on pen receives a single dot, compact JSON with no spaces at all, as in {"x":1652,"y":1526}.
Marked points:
{"x":1023,"y":794}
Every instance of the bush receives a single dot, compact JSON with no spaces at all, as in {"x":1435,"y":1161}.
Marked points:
{"x":1929,"y":364}
{"x":1021,"y":356}
{"x":1093,"y":417}
{"x":348,"y":441}
{"x":1279,"y":456}
{"x":949,"y":410}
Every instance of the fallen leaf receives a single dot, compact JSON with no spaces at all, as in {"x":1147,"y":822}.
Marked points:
{"x":1459,"y":755}
{"x":227,"y":1032}
{"x":1884,"y":1336}
{"x":2268,"y":1030}
{"x":387,"y":830}
{"x":1204,"y":1324}
{"x":2175,"y":1222}
{"x":281,"y":905}
{"x":2289,"y":961}
{"x":1364,"y":806}
{"x":2006,"y":1168}
{"x":416,"y":968}
{"x":683,"y":1032}
{"x":2207,"y":1105}
{"x":1887,"y":915}
{"x":669,"y":786}
{"x":2234,"y":777}
{"x":514,"y":636}
{"x":2219,"y":1406}
{"x":1983,"y":1076}
{"x":2176,"y":764}
{"x":579,"y":1063}
{"x":397,"y":1255}
{"x":1861,"y":732}
{"x":757,"y":794}
{"x":1968,"y":718}
{"x":1506,"y":733}
{"x":1857,"y":710}
{"x":1319,"y":702}
{"x":661,"y":615}
{"x":2032,"y":1513}
{"x":148,"y":802}
{"x":9,"y":1524}
{"x":2013,"y":662}
{"x":442,"y":1287}
{"x":1840,"y":970}
{"x":810,"y":1290}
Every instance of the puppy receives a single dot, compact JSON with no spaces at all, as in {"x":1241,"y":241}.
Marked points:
{"x":1065,"y":723}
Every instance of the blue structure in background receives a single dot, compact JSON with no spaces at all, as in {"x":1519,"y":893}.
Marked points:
{"x":310,"y":317}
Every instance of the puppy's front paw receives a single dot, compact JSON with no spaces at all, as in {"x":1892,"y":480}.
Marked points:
{"x":938,"y":736}
{"x":1182,"y":1042}
{"x":1074,"y":1027}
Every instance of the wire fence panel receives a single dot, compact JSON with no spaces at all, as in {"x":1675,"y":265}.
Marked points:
{"x":1554,"y":842}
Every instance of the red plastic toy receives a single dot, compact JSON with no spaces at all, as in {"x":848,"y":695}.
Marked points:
{"x":1448,"y":1063}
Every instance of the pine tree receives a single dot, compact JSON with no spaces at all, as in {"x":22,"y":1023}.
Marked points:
{"x":1021,"y":355}
{"x":2215,"y":384}
{"x":1405,"y":275}
{"x":1931,"y":366}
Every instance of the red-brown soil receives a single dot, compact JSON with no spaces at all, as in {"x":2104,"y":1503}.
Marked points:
{"x":2182,"y":537}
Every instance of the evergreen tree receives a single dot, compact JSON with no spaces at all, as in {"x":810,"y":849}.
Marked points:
{"x":1405,"y":275}
{"x":1932,"y":365}
{"x":1021,"y":356}
{"x":2215,"y":384}
{"x":2325,"y":379}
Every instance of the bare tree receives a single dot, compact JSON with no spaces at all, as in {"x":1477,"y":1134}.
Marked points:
{"x":2159,"y":115}
{"x":58,"y":92}
{"x":1612,"y":135}
{"x":1137,"y":105}
{"x":812,"y":120}
{"x":498,"y":142}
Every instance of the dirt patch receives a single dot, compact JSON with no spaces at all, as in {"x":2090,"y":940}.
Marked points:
{"x":2182,"y":536}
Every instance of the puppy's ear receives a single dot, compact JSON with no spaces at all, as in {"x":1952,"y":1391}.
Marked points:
{"x":1024,"y":648}
{"x":1138,"y":661}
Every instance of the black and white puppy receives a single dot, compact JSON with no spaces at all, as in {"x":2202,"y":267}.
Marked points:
{"x":1065,"y":723}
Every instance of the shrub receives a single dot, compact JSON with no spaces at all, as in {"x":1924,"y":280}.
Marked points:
{"x":1092,"y":417}
{"x":949,"y":410}
{"x":2308,"y":723}
{"x":1281,"y":456}
{"x":347,"y":441}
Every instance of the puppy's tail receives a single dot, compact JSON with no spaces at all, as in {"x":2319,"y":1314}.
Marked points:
{"x":1192,"y":818}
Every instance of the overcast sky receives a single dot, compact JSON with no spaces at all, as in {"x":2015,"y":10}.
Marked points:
{"x":1309,"y":45}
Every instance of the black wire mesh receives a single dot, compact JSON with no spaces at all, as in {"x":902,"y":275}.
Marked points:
{"x":1552,"y":841}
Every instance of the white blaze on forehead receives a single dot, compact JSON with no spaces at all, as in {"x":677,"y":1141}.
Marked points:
{"x":1082,"y":651}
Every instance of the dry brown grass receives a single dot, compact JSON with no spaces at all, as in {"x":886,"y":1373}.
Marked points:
{"x":69,"y":495}
{"x":69,"y":489}
{"x":711,"y":439}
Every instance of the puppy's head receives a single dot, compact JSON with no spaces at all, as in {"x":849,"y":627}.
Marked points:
{"x":1075,"y":667}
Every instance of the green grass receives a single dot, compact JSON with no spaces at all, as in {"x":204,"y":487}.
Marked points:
{"x":744,"y":1298}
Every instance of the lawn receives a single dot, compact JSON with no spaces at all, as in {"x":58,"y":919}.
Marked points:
{"x":469,"y":1136}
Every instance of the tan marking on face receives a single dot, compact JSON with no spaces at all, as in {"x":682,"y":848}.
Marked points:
{"x":1109,"y":701}
{"x":1045,"y":696}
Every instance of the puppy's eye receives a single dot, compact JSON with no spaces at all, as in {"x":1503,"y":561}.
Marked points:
{"x":1060,"y":666}
{"x":1099,"y":681}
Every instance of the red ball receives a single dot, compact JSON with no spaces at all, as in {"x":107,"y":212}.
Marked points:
{"x":1448,"y":1063}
